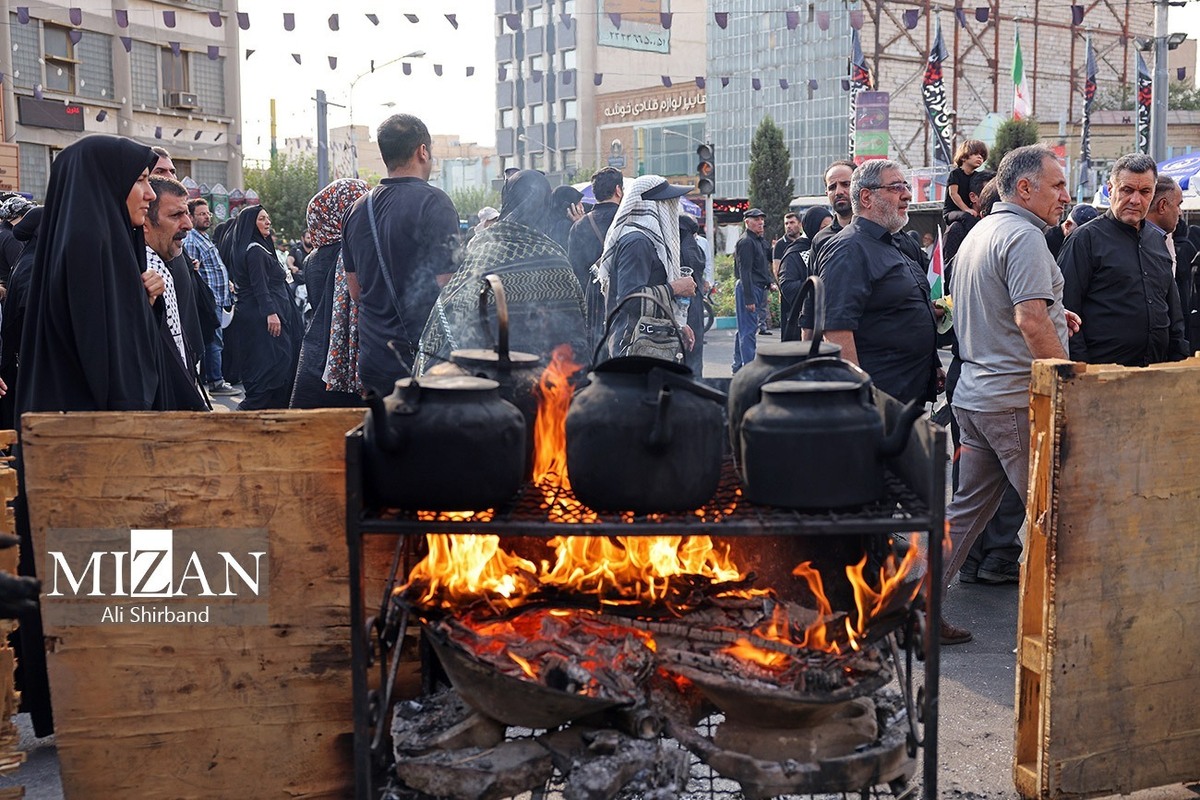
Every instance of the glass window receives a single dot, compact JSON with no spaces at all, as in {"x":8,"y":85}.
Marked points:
{"x":143,"y":64}
{"x":568,"y":7}
{"x":174,"y":71}
{"x":570,"y":109}
{"x":208,"y":81}
{"x":95,"y":70}
{"x":60,"y":59}
{"x":568,"y":59}
{"x":537,"y":63}
{"x":507,"y":118}
{"x":537,"y":114}
{"x":35,"y":168}
{"x":535,"y":161}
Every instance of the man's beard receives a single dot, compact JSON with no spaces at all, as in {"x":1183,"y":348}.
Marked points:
{"x":895,"y":220}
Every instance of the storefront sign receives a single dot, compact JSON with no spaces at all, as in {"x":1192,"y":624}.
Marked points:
{"x":665,"y":105}
{"x":640,"y":26}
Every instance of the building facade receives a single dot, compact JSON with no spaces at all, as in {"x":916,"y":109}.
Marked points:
{"x":163,"y":73}
{"x":800,"y":56}
{"x":583,"y":84}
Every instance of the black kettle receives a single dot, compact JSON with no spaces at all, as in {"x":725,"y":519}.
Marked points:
{"x":817,"y":439}
{"x":516,"y":372}
{"x":442,"y":443}
{"x":642,"y":435}
{"x":774,"y":356}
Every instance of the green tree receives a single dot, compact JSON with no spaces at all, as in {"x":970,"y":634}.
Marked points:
{"x":284,"y":188}
{"x":468,"y":201}
{"x":1011,"y":134}
{"x":1120,"y":98}
{"x":771,"y":187}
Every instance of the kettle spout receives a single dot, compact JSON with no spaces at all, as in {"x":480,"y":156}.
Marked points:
{"x":380,"y":431}
{"x":895,"y":441}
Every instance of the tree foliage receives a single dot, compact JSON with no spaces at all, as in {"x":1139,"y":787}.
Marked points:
{"x":1011,"y":134}
{"x":284,"y":188}
{"x":1120,"y":97}
{"x":771,"y":187}
{"x":468,"y":200}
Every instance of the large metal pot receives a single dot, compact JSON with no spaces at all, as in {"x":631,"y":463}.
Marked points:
{"x":774,"y":356}
{"x":643,"y":436}
{"x":817,"y":440}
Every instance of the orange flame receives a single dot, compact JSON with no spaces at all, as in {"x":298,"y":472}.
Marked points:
{"x":550,"y":427}
{"x":816,"y":635}
{"x":463,"y":567}
{"x":745,"y":651}
{"x":873,"y":602}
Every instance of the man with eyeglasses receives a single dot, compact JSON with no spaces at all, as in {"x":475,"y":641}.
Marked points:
{"x":877,"y":304}
{"x":837,"y":189}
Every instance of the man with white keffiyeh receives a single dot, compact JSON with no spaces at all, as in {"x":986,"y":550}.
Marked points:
{"x":641,"y":252}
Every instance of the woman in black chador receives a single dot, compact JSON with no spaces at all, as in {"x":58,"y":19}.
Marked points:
{"x":271,"y":324}
{"x":94,"y":337}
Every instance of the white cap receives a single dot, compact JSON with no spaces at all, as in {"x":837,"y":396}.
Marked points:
{"x":487,"y":213}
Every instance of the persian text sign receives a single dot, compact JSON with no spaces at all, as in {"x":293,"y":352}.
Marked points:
{"x":155,"y":576}
{"x":640,"y":26}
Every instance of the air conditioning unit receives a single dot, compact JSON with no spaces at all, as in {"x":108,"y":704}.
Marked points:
{"x":185,"y":100}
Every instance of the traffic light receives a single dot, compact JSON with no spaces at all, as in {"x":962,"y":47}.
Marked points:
{"x":705,"y":170}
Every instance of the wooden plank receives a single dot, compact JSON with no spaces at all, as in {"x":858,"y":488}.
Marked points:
{"x":197,"y":711}
{"x":1115,"y":560}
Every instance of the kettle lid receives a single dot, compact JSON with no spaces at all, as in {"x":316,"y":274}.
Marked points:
{"x":797,"y":387}
{"x":489,"y":356}
{"x":797,"y":349}
{"x":451,"y":383}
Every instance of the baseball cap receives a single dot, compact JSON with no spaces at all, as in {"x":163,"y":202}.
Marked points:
{"x":488,"y":213}
{"x":1083,"y":213}
{"x":665,"y":191}
{"x":753,"y":212}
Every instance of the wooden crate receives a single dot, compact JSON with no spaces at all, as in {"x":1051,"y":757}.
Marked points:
{"x":200,"y":711}
{"x":1109,"y":620}
{"x":11,"y":757}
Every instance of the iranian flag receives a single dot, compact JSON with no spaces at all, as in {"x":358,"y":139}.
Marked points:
{"x":1021,"y":103}
{"x":936,"y":289}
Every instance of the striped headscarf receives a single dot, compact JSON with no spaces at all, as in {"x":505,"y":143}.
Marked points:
{"x":658,"y":220}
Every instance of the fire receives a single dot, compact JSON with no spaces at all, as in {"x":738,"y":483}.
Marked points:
{"x":871,"y":602}
{"x":755,"y":655}
{"x":816,"y":635}
{"x":464,"y":567}
{"x":550,"y":427}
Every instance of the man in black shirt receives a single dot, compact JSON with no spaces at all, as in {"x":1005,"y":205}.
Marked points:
{"x":877,"y":304}
{"x":791,"y":235}
{"x":837,"y":189}
{"x":752,"y":271}
{"x":1119,"y":279}
{"x":586,"y":243}
{"x":414,"y":228}
{"x":295,"y":259}
{"x":1057,"y":235}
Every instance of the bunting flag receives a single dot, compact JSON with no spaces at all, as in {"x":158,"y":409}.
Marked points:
{"x":1181,"y":73}
{"x":249,"y":52}
{"x":666,"y":18}
{"x":296,"y":57}
{"x":755,"y":84}
{"x":169,"y":19}
{"x":289,"y":21}
{"x":453,"y":20}
{"x":406,"y":68}
{"x":725,"y":82}
{"x":937,"y":289}
{"x":501,"y":73}
{"x":177,"y":132}
{"x":126,"y":42}
{"x":214,"y":19}
{"x":1022,"y":107}
{"x":1076,"y":15}
{"x":856,"y":19}
{"x":243,"y":19}
{"x":860,"y":79}
{"x":783,"y":84}
{"x":122,"y":17}
{"x":721,"y":18}
{"x":158,"y":132}
{"x":961,"y":16}
{"x":513,"y":21}
{"x":597,"y":78}
{"x":565,"y":19}
{"x":37,"y":92}
{"x":175,"y":50}
{"x":103,"y":115}
{"x":23,"y":15}
{"x":812,"y":84}
{"x":1144,"y":93}
{"x":471,"y":71}
{"x":334,"y":23}
{"x":197,"y":136}
{"x":1089,"y":94}
{"x":75,"y":15}
{"x":413,"y":18}
{"x":701,"y":82}
{"x":823,"y":20}
{"x":437,"y":70}
{"x":910,"y":18}
{"x":793,"y":19}
{"x":214,"y":52}
{"x":75,"y":35}
{"x":374,"y":20}
{"x":333,"y":62}
{"x":933,"y":92}
{"x":982,"y":13}
{"x":615,"y":19}
{"x":666,"y":81}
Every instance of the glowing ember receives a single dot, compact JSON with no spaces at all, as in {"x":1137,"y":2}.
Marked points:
{"x":756,"y":655}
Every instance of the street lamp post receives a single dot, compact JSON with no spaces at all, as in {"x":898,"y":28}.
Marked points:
{"x":350,"y":101}
{"x":710,"y":233}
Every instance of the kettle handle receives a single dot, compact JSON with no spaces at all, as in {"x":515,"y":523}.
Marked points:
{"x":791,"y":370}
{"x":492,"y":283}
{"x":816,"y":287}
{"x":612,"y":315}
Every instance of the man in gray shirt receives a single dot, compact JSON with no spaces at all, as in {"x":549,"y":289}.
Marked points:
{"x":1003,"y":264}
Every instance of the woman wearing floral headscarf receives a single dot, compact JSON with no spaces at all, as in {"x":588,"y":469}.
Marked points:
{"x":641,"y":253}
{"x":325,"y":213}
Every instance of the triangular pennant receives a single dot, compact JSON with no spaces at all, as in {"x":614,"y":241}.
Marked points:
{"x":961,"y":16}
{"x":243,"y":20}
{"x":406,"y":68}
{"x":413,"y":18}
{"x":666,"y":81}
{"x":845,"y":84}
{"x":856,"y":19}
{"x":214,"y":19}
{"x":565,"y":19}
{"x":1181,"y":73}
{"x":783,"y":84}
{"x":471,"y":72}
{"x":721,"y":18}
{"x":174,"y":48}
{"x":566,"y":77}
{"x":249,"y":52}
{"x":296,"y":57}
{"x":23,"y":15}
{"x":437,"y":70}
{"x":615,"y":19}
{"x":237,"y":139}
{"x":217,"y":138}
{"x":37,"y":93}
{"x":910,"y":18}
{"x":121,"y":15}
{"x":1076,"y":15}
{"x":823,"y":20}
{"x":374,"y":19}
{"x":334,"y":23}
{"x":724,"y":81}
{"x":982,"y":13}
{"x":665,"y":19}
{"x":158,"y":132}
{"x":214,"y":52}
{"x":76,"y":15}
{"x":535,"y":75}
{"x":126,"y":42}
{"x":333,"y":62}
{"x":289,"y":21}
{"x":513,"y":21}
{"x":103,"y":115}
{"x":169,"y":19}
{"x":177,"y":132}
{"x":502,"y":73}
{"x":197,"y":136}
{"x":700,"y":82}
{"x":453,"y":20}
{"x":74,"y":35}
{"x":597,"y":78}
{"x":793,"y":19}
{"x":755,"y":84}
{"x":812,"y":84}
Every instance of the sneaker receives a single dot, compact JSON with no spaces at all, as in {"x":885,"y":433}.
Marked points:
{"x":222,"y":388}
{"x":949,"y":634}
{"x":969,"y":572}
{"x":1006,"y":573}
{"x":764,"y":332}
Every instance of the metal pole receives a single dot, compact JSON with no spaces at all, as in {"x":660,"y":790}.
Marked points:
{"x":710,"y":232}
{"x":322,"y":140}
{"x":1158,"y":106}
{"x":274,"y":151}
